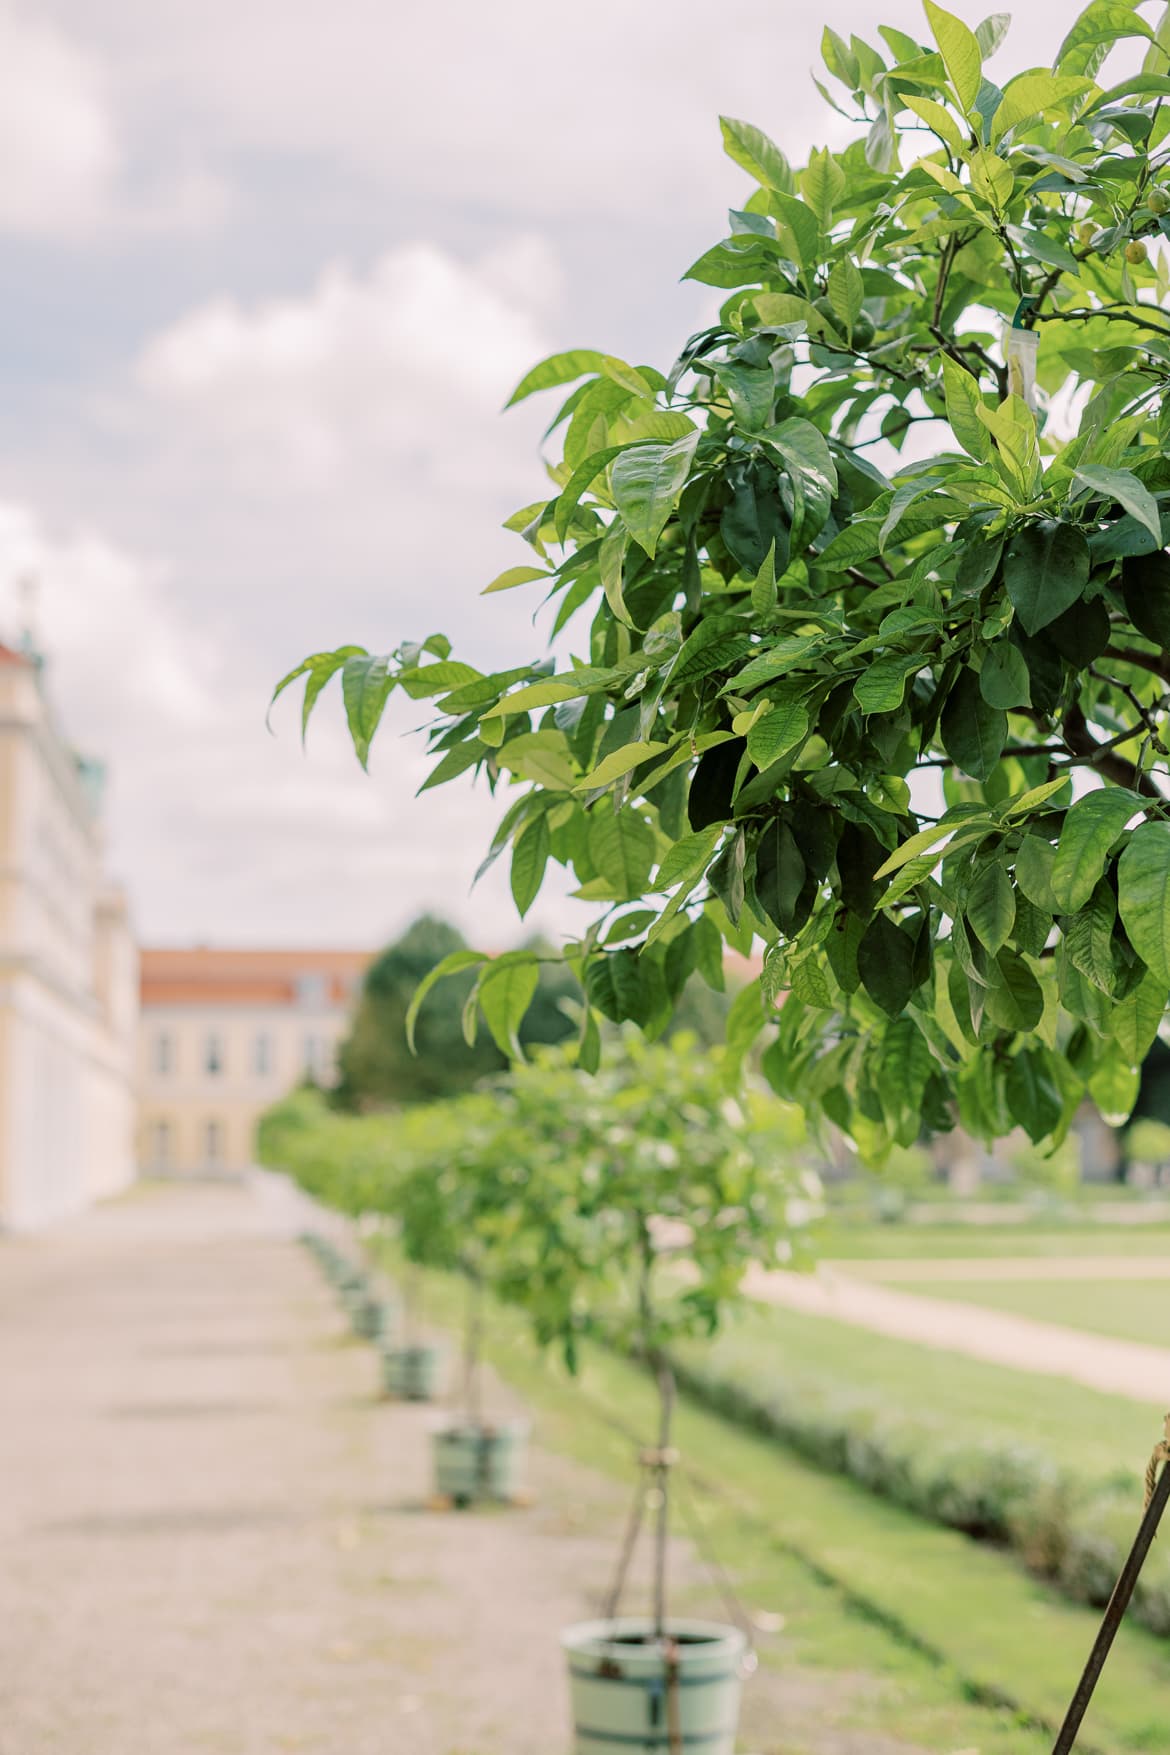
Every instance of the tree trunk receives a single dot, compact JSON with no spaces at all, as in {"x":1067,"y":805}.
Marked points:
{"x":472,"y":1348}
{"x":666,"y":1393}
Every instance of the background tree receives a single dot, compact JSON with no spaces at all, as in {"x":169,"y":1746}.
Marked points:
{"x":378,"y":1067}
{"x":905,"y":732}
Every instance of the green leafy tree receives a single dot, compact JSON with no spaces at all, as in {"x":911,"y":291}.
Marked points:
{"x":376,"y":1064}
{"x":900,"y":729}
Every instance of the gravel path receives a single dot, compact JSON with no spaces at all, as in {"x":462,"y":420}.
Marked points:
{"x":1005,"y":1267}
{"x":213,"y":1537}
{"x":1128,"y":1368}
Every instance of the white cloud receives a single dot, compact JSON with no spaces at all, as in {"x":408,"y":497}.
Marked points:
{"x":221,"y":829}
{"x":398,"y":365}
{"x":58,"y":143}
{"x":514,"y":106}
{"x":121,"y":660}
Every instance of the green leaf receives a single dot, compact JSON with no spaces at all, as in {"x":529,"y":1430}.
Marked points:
{"x":1029,"y":94}
{"x":906,"y":1065}
{"x":689,"y":854}
{"x":846,"y":292}
{"x":1017,"y":1002}
{"x":941,"y":122}
{"x":991,"y":33}
{"x":1046,"y":569}
{"x":1090,"y":829}
{"x":620,"y":761}
{"x":885,"y":962}
{"x":1124,"y":487}
{"x":973,"y":732}
{"x":1012,"y":425}
{"x":1145,"y":589}
{"x":579,"y":483}
{"x":541,"y":756}
{"x":559,"y":368}
{"x":991,"y":907}
{"x":317,"y":670}
{"x":764,"y":586}
{"x":365,"y":687}
{"x":589,"y":1044}
{"x":963,"y":398}
{"x":920,"y":843}
{"x":1034,"y":866}
{"x":755,"y":153}
{"x":882,"y":688}
{"x":513,"y":576}
{"x":1134,"y":1021}
{"x":822,"y":184}
{"x":798,"y":230}
{"x":451,"y":964}
{"x":1143,"y":888}
{"x":959,"y":48}
{"x":1033,"y":1093}
{"x":505,"y":992}
{"x":1114,"y":1089}
{"x":529,"y":859}
{"x":1004,"y":680}
{"x":780,"y":874}
{"x":777,"y":732}
{"x":622,"y":846}
{"x":646,"y":482}
{"x":1088,"y":938}
{"x":991,"y":177}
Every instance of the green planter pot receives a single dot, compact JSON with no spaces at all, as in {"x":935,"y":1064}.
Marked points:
{"x":479,"y":1462}
{"x":370,"y":1317}
{"x":631,"y":1691}
{"x":411,"y":1374}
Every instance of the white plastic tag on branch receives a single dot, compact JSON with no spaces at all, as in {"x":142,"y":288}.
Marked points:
{"x":1019,"y":347}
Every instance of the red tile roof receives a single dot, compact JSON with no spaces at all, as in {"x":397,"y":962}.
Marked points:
{"x":219,"y":978}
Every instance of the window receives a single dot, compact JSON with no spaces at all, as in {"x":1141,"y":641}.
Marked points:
{"x":160,"y":1150}
{"x":312,"y":992}
{"x":213,"y":1142}
{"x":164,"y":1053}
{"x":213,"y":1055}
{"x":311,"y":1056}
{"x":262,"y":1055}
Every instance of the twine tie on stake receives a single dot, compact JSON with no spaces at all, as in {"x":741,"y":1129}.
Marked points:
{"x":1159,"y":1455}
{"x":1157,"y":1492}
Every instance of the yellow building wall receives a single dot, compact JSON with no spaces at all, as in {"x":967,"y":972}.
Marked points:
{"x":182,"y":1100}
{"x":68,"y":978}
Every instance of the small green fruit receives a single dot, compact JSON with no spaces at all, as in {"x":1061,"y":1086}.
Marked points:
{"x":1158,"y":201}
{"x":824,"y":308}
{"x":863,"y":331}
{"x":1135,"y":251}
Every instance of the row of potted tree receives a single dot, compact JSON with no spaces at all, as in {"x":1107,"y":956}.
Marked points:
{"x":624,"y":1209}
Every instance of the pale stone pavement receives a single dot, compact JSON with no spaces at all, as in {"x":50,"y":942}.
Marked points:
{"x":213,"y":1535}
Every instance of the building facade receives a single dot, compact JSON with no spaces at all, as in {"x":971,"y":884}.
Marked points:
{"x":68,"y":972}
{"x":224,"y":1034}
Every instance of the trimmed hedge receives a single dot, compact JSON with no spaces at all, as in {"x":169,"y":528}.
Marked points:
{"x":1071,"y":1532}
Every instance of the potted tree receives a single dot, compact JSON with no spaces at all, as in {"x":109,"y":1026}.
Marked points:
{"x":414,"y":1199}
{"x":641,"y":1198}
{"x":476,"y":1455}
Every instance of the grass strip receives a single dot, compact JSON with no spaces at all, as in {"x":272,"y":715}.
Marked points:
{"x":1002,"y":1638}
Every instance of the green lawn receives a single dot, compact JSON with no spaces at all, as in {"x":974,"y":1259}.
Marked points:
{"x":1136,"y":1310}
{"x":833,"y":1240}
{"x":1090,"y":1434}
{"x":943,"y":1626}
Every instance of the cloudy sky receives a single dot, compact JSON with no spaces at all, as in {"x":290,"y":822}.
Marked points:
{"x":268,"y":273}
